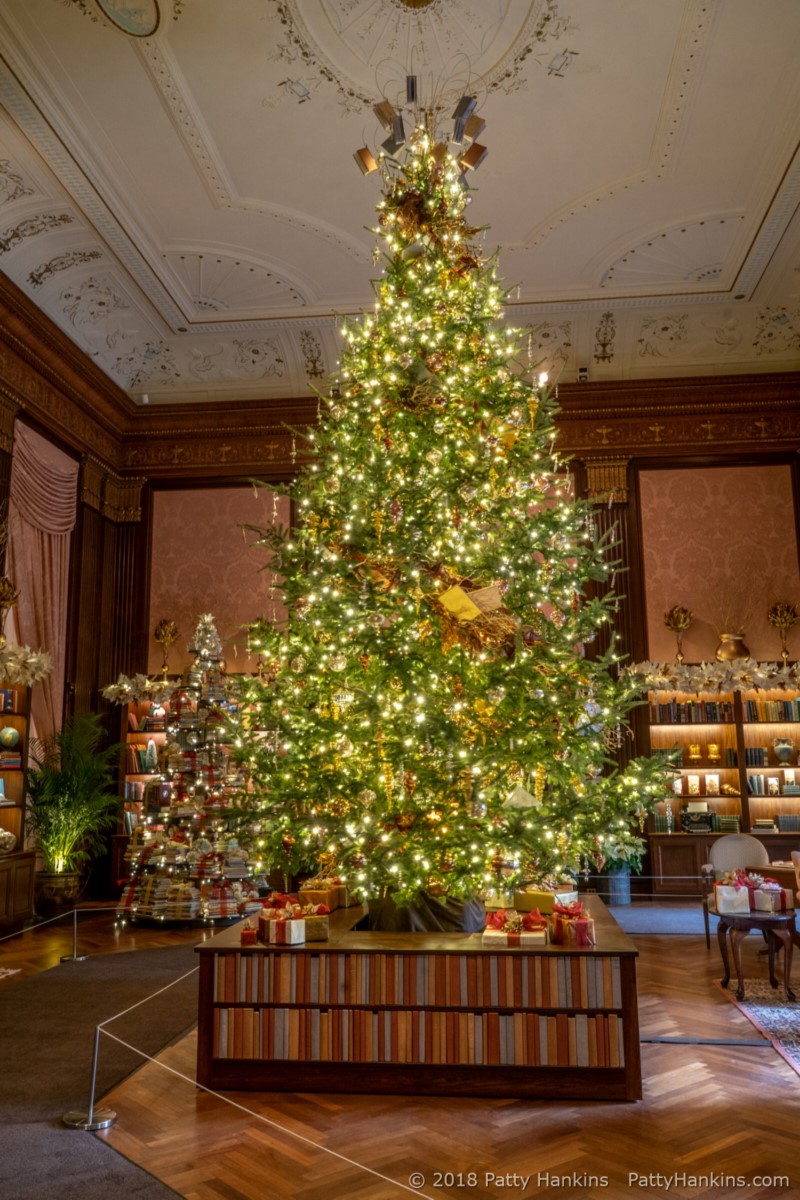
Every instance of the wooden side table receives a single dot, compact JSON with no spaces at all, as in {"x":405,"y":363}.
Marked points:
{"x":778,"y":927}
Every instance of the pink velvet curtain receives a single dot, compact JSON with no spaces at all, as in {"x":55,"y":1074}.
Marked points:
{"x":41,"y":517}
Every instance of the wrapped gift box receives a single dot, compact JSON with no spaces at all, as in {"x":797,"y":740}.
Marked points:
{"x":510,"y":929}
{"x":317,"y":923}
{"x":327,"y":896}
{"x":580,"y":931}
{"x":529,"y":900}
{"x":525,"y":937}
{"x":317,"y":928}
{"x":562,"y":917}
{"x":731,"y":900}
{"x":249,"y":935}
{"x":773,"y":899}
{"x":291,"y":932}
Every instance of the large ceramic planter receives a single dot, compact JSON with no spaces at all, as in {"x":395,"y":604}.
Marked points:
{"x":54,"y":893}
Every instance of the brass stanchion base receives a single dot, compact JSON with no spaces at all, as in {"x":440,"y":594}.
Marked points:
{"x":101,"y":1119}
{"x":74,"y":957}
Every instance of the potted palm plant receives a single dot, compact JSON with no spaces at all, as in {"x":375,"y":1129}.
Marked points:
{"x":72,"y":803}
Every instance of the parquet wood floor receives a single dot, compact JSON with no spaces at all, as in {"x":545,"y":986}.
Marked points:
{"x":719,"y":1111}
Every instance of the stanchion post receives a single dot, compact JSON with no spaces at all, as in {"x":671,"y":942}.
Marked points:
{"x":95,"y":1118}
{"x":74,"y":957}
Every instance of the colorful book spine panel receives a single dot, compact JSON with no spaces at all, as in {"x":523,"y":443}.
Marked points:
{"x":419,"y":1036}
{"x":437,"y":981}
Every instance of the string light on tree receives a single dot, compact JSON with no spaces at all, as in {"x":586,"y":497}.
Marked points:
{"x":439,"y":724}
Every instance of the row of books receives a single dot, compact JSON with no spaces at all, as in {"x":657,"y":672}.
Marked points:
{"x":141,"y":760}
{"x":8,"y":700}
{"x":763,"y":785}
{"x":478,"y":980}
{"x":771,"y":710}
{"x":692,"y":712}
{"x":146,"y":723}
{"x":420,"y":1036}
{"x":10,"y":760}
{"x":756,"y":756}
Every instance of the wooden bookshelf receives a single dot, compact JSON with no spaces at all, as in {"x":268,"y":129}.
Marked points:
{"x":421,"y":1013}
{"x":17,"y":865}
{"x":728,"y":756}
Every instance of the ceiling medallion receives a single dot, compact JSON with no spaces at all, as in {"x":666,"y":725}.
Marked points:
{"x":139,"y":21}
{"x":364,"y":47}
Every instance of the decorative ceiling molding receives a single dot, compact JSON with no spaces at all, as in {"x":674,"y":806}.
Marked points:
{"x":457,"y":44}
{"x":676,"y":103}
{"x":783,"y":207}
{"x":209,"y":162}
{"x":692,"y":252}
{"x":66,"y":155}
{"x":143,"y":21}
{"x":30,"y":227}
{"x":61,"y":262}
{"x":219,"y":281}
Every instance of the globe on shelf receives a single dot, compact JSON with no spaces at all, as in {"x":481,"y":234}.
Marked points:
{"x":9,"y":737}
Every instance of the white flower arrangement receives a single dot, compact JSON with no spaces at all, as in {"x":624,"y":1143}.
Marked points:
{"x":742,"y":674}
{"x":620,"y":849}
{"x":132,"y":689}
{"x":20,"y":664}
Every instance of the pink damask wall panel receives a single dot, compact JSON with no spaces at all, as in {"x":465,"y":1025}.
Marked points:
{"x":722,"y":542}
{"x":204,"y":562}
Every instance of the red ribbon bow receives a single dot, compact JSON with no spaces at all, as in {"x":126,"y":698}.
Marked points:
{"x":497,"y":919}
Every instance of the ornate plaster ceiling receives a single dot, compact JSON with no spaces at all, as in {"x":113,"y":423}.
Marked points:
{"x":178,"y":191}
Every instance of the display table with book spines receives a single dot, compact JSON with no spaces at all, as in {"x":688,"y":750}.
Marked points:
{"x":421,"y":1013}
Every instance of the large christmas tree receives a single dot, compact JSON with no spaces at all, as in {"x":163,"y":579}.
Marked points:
{"x":434,"y":720}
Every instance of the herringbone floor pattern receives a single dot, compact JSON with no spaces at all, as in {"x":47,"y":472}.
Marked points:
{"x":720,"y":1110}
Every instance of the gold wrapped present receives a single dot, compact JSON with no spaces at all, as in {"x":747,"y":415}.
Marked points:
{"x":326,"y":895}
{"x":527,"y":901}
{"x":317,"y":928}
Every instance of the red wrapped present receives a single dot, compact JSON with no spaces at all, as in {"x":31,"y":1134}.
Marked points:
{"x":562,"y":922}
{"x":280,"y":900}
{"x":249,"y":935}
{"x":580,"y":931}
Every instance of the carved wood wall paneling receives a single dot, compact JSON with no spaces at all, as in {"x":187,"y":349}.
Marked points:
{"x":727,"y":415}
{"x":107,"y":611}
{"x":90,"y":490}
{"x":230,"y":441}
{"x":122,"y":497}
{"x":131,"y":586}
{"x":8,"y":413}
{"x":607,"y":483}
{"x":56,"y":383}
